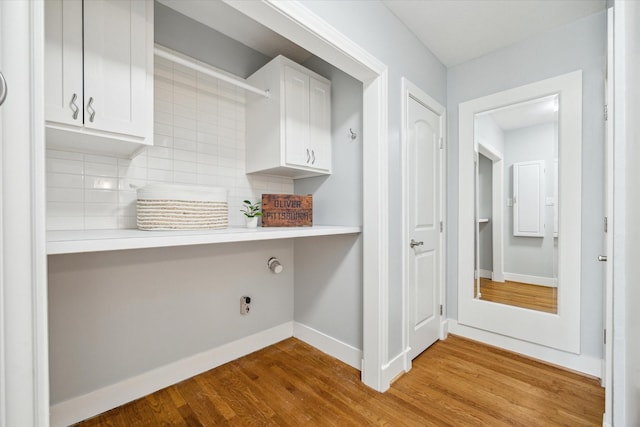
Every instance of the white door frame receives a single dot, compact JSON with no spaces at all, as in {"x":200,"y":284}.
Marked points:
{"x":24,"y":365}
{"x":497,"y":194}
{"x":298,"y":24}
{"x":528,"y":331}
{"x":607,"y":370}
{"x":410,"y":90}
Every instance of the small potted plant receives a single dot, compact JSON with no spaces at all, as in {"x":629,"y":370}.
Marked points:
{"x":252,"y":212}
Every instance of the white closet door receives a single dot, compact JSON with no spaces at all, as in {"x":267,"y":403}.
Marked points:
{"x":528,"y":199}
{"x":115,"y":65}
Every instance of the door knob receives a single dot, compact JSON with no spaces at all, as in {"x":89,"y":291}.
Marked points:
{"x":602,"y":258}
{"x":413,"y":243}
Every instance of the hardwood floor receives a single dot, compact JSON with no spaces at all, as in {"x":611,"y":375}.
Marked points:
{"x":542,"y":298}
{"x":456,"y":382}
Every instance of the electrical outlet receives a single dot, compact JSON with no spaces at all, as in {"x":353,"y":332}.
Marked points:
{"x":245,"y":305}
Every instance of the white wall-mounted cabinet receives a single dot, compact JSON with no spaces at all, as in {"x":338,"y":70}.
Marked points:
{"x":99,"y":75}
{"x":289,"y":133}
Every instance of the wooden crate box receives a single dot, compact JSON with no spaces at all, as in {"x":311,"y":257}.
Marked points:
{"x":287,"y":210}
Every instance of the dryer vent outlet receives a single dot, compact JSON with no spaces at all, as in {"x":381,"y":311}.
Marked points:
{"x":245,"y":305}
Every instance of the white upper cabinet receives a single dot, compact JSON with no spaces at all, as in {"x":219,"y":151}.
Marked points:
{"x":99,"y":75}
{"x":289,"y":133}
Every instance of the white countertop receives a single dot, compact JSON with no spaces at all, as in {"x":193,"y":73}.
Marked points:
{"x":77,"y":241}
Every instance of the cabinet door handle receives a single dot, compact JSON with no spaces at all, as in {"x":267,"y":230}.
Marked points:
{"x":413,"y":243}
{"x":74,"y":107}
{"x":90,"y":110}
{"x":3,"y":89}
{"x":308,"y":156}
{"x":313,"y":156}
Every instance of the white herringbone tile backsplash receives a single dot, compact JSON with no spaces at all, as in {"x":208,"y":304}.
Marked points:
{"x":199,"y":138}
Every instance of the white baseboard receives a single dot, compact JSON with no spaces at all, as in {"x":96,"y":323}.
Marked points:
{"x":395,"y":367}
{"x":551,"y":282}
{"x":99,"y":401}
{"x":485,"y":274}
{"x":444,"y":329}
{"x":323,"y":342}
{"x":576,"y":362}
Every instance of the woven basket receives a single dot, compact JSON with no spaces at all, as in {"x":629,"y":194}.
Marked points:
{"x":182,"y":207}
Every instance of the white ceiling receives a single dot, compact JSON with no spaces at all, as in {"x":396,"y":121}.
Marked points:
{"x":525,"y":114}
{"x":459,"y":30}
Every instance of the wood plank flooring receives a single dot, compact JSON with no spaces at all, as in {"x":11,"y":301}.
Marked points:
{"x":541,"y":298}
{"x":456,"y":382}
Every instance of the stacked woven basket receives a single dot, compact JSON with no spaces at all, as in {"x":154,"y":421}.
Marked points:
{"x":182,"y":207}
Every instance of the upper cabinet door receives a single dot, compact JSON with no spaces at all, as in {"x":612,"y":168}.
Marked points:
{"x":63,"y":61}
{"x":296,"y":117}
{"x":115,"y":66}
{"x":320,"y":124}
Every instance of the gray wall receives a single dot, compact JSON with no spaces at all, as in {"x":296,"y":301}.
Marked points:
{"x":531,"y":256}
{"x":376,"y":29}
{"x":181,"y":33}
{"x":328,"y":271}
{"x":114,"y":315}
{"x":580,"y":45}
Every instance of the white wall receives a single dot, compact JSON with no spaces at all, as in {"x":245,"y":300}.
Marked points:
{"x":632,"y":395}
{"x":530,"y":256}
{"x":626,"y":269}
{"x":199,"y":138}
{"x":580,"y":45}
{"x":489,"y":133}
{"x":376,"y":29}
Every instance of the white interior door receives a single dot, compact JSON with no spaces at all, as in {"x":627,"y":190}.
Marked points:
{"x":423,"y":151}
